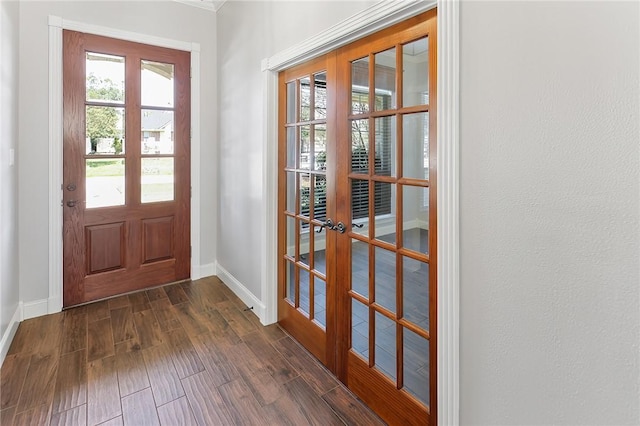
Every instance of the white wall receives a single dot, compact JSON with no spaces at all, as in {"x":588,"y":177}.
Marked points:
{"x":247,"y":33}
{"x":9,"y":290}
{"x":164,"y":19}
{"x":550,"y":238}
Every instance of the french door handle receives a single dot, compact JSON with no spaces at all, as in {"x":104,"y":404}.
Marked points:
{"x":327,"y":224}
{"x":357,"y":225}
{"x":340,"y":227}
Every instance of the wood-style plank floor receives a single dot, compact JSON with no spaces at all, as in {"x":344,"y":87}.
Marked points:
{"x":182,"y":354}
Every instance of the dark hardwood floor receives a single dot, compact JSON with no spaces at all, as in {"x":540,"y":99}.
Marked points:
{"x":186,"y":353}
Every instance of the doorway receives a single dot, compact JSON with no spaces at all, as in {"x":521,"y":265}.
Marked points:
{"x":357,"y":215}
{"x":126,"y":173}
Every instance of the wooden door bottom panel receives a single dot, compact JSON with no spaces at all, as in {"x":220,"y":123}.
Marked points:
{"x":311,"y":336}
{"x":379,"y":393}
{"x":122,"y":281}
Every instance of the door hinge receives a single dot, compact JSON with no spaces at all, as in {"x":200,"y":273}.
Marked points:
{"x":190,"y":250}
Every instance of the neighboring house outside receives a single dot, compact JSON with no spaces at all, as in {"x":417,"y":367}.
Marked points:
{"x":157,"y":132}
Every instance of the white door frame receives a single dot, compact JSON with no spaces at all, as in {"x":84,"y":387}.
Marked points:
{"x":56,"y":25}
{"x":382,"y":15}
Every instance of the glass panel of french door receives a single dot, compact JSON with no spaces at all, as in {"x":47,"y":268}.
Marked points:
{"x":305,"y":275}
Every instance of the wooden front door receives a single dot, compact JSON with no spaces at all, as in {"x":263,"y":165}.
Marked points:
{"x":369,"y":176}
{"x":126,"y":166}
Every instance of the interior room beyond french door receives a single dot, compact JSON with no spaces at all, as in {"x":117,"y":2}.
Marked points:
{"x":126,"y":173}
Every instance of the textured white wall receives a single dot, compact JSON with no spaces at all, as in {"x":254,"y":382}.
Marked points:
{"x":247,"y":33}
{"x":164,"y":19}
{"x":9,"y":290}
{"x":550,"y":238}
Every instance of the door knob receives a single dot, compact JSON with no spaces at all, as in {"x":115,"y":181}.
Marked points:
{"x":340,"y":227}
{"x":71,"y":187}
{"x":71,"y":203}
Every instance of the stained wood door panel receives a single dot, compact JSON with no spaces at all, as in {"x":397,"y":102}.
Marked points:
{"x":157,"y":237}
{"x":137,"y":236}
{"x":378,"y":391}
{"x":106,"y":247}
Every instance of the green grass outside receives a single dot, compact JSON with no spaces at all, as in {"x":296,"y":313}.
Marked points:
{"x":102,"y":168}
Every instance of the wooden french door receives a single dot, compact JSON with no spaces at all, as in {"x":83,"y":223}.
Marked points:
{"x":385,"y":266}
{"x":307,"y":175}
{"x":126,"y":166}
{"x":357,"y":223}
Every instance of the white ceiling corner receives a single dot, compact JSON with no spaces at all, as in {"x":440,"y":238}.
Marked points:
{"x":212,"y":5}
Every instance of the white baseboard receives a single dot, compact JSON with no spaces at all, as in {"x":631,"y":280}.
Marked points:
{"x":242,"y":292}
{"x":36,"y":308}
{"x":7,"y":337}
{"x":202,"y":271}
{"x":54,"y":305}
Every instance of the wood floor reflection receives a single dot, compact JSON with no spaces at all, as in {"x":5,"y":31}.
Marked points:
{"x":188,"y":353}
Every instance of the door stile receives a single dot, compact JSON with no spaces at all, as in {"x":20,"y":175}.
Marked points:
{"x":343,"y":198}
{"x":433,"y":220}
{"x":332,"y":320}
{"x":74,"y":110}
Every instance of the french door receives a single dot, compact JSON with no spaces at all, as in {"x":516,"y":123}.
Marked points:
{"x":357,"y":223}
{"x":126,"y":166}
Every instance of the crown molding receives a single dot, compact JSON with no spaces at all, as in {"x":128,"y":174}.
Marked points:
{"x":211,"y":5}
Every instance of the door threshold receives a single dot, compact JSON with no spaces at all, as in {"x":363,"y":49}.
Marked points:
{"x":125,"y":294}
